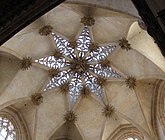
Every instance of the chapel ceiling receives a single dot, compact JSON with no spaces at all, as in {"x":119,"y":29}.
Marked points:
{"x":104,"y":62}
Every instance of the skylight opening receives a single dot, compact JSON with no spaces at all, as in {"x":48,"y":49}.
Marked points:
{"x":80,"y":64}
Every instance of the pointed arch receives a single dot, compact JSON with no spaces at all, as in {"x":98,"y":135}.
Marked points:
{"x":126,"y":131}
{"x":13,"y":115}
{"x":158,"y":108}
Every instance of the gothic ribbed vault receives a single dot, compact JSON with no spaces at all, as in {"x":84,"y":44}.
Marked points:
{"x":52,"y":111}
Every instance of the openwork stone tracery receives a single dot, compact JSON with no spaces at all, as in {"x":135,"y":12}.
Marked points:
{"x":79,"y":66}
{"x":7,"y":130}
{"x":88,"y":21}
{"x":12,"y":125}
{"x":125,"y":44}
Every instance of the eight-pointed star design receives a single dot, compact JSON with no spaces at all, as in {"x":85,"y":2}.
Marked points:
{"x":79,"y":64}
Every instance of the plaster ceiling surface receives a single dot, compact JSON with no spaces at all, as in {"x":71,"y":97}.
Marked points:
{"x":131,"y":106}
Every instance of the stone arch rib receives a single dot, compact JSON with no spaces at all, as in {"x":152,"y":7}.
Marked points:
{"x":125,"y":131}
{"x":158,"y":107}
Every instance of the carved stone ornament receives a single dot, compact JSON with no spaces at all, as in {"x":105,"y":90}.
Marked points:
{"x":53,"y":72}
{"x":142,"y":25}
{"x":26,"y":63}
{"x":73,"y":44}
{"x":88,"y":21}
{"x":70,"y":116}
{"x":46,"y":30}
{"x":131,"y":82}
{"x":57,"y":54}
{"x":64,"y":88}
{"x":101,"y":81}
{"x":105,"y":63}
{"x":108,"y":111}
{"x":125,"y":44}
{"x":85,"y":92}
{"x":37,"y":98}
{"x":93,"y":47}
{"x":79,"y":66}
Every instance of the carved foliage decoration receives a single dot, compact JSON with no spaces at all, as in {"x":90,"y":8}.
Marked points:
{"x":46,"y":30}
{"x":77,"y":65}
{"x":26,"y":63}
{"x":131,"y":82}
{"x":124,"y":44}
{"x":88,"y":21}
{"x":108,"y":111}
{"x":37,"y":98}
{"x":70,"y":116}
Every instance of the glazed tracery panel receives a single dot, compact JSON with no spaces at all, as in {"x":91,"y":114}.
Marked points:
{"x":80,"y":65}
{"x":52,"y":62}
{"x":104,"y":72}
{"x":63,"y":46}
{"x":131,"y":138}
{"x":75,"y":87}
{"x":7,"y":130}
{"x":101,"y":52}
{"x":58,"y":80}
{"x":83,"y":42}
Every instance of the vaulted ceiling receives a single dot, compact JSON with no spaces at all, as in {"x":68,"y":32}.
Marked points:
{"x":113,"y":21}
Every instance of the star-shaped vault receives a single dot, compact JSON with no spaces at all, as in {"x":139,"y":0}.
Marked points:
{"x":79,"y":67}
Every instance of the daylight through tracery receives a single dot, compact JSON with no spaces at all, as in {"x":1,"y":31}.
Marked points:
{"x":131,"y":138}
{"x":7,"y":131}
{"x":80,"y":64}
